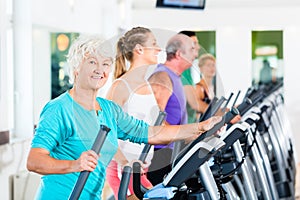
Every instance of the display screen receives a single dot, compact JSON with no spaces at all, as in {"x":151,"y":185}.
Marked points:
{"x":191,"y":4}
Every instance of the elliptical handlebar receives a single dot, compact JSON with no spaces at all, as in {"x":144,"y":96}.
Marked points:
{"x":208,"y":111}
{"x":137,"y":187}
{"x":236,"y":98}
{"x":126,"y":173}
{"x":227,"y":102}
{"x":217,"y":106}
{"x":137,"y":180}
{"x":159,"y":120}
{"x":83,"y":176}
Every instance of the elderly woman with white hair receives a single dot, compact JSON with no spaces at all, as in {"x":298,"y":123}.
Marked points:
{"x":69,"y":125}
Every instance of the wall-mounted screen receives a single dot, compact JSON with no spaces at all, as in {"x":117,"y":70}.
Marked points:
{"x":191,"y":4}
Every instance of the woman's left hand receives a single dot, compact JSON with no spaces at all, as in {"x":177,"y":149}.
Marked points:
{"x":208,"y":124}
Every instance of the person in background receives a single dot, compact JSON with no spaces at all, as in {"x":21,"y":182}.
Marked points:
{"x":205,"y":87}
{"x":180,"y":50}
{"x":193,"y":105}
{"x":266,"y":73}
{"x":68,"y":126}
{"x":196,"y":103}
{"x":132,"y":91}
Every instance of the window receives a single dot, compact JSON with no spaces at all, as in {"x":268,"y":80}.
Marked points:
{"x":267,"y":56}
{"x":60,"y":43}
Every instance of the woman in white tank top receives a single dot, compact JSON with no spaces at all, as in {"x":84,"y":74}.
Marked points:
{"x":133,"y":93}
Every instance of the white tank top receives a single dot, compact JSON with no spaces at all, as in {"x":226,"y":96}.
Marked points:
{"x":142,"y":107}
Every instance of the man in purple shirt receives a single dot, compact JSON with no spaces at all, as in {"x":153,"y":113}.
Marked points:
{"x":180,"y":51}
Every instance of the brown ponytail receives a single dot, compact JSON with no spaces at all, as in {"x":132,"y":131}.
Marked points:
{"x":125,"y":47}
{"x":120,"y":66}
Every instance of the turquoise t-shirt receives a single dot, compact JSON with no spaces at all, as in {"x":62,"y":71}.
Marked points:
{"x":66,"y":130}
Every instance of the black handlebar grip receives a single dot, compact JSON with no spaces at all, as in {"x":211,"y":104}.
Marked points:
{"x":137,"y":180}
{"x":236,"y":98}
{"x":122,"y":194}
{"x":244,"y":106}
{"x":227,"y":102}
{"x":83,"y":176}
{"x":231,"y":114}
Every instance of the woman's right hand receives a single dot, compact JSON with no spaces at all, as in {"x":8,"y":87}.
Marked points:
{"x":87,"y":161}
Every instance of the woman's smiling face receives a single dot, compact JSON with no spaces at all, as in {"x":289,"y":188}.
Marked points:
{"x":93,"y":72}
{"x":151,"y":49}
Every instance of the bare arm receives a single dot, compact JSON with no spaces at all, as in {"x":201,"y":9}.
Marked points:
{"x":193,"y":99}
{"x":170,"y":133}
{"x":120,"y":158}
{"x":40,"y":161}
{"x":162,"y":88}
{"x":118,"y":93}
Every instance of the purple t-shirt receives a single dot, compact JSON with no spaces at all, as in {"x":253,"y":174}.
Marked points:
{"x":176,"y":106}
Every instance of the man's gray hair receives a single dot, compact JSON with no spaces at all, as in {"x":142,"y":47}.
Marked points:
{"x":173,"y":45}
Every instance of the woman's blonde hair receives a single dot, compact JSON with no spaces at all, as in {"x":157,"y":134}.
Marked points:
{"x":204,"y":57}
{"x":84,"y":46}
{"x":125,"y":47}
